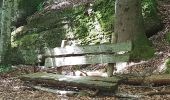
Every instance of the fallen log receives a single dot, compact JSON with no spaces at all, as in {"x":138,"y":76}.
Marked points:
{"x":161,"y":79}
{"x":101,"y":83}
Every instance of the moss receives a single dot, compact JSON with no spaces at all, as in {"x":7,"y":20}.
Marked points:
{"x":5,"y":68}
{"x":30,"y":6}
{"x":17,"y":57}
{"x":51,"y":19}
{"x":142,"y":53}
{"x":28,"y":41}
{"x":168,"y":37}
{"x":152,"y":20}
{"x":167,"y":65}
{"x":24,"y":56}
{"x":142,"y":49}
{"x":104,"y":10}
{"x":52,"y":38}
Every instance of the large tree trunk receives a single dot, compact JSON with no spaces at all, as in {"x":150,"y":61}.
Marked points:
{"x":129,"y":21}
{"x":5,"y":36}
{"x":129,"y":26}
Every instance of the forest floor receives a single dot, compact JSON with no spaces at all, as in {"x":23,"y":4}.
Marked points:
{"x":11,"y":88}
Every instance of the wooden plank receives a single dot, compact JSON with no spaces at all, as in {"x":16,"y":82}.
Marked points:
{"x":87,"y":59}
{"x":102,"y":83}
{"x":90,"y":49}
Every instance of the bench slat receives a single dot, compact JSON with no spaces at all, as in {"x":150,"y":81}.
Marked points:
{"x":90,"y":49}
{"x":87,"y":59}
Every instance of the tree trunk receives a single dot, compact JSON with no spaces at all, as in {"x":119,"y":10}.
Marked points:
{"x":129,"y":26}
{"x":5,"y":36}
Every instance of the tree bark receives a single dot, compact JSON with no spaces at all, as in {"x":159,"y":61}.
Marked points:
{"x":129,"y":26}
{"x":129,"y":20}
{"x":5,"y":35}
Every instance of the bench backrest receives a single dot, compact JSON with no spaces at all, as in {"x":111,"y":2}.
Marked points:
{"x":91,"y":54}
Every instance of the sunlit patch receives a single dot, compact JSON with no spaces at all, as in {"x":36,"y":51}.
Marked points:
{"x":121,"y":52}
{"x":68,"y":77}
{"x":73,"y":77}
{"x":61,"y":79}
{"x":45,"y":76}
{"x":63,"y":92}
{"x":121,"y":66}
{"x":162,"y":67}
{"x":50,"y":75}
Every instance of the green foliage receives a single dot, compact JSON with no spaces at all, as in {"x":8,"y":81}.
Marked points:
{"x":25,"y":52}
{"x":52,"y":38}
{"x":149,"y":8}
{"x":24,"y":56}
{"x":40,"y":5}
{"x":16,"y":56}
{"x":82,"y":25}
{"x":104,"y":10}
{"x":28,"y":41}
{"x":168,"y":37}
{"x":30,"y":6}
{"x":29,"y":56}
{"x":151,"y":19}
{"x":167,"y":65}
{"x":5,"y":68}
{"x":96,"y":27}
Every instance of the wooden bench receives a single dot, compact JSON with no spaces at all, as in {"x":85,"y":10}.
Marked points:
{"x":91,"y":54}
{"x":80,"y":55}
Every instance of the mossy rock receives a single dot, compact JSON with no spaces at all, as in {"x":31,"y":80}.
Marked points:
{"x":25,"y":8}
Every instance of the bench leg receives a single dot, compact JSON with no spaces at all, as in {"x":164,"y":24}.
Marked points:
{"x":59,"y":70}
{"x":110,"y":69}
